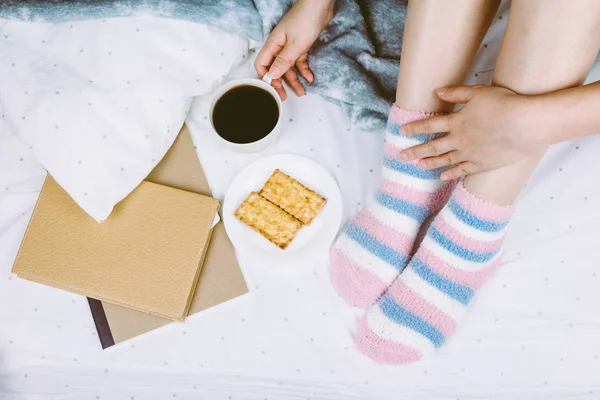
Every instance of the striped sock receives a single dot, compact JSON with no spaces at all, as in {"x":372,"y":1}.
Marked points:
{"x":375,"y":246}
{"x":461,"y":249}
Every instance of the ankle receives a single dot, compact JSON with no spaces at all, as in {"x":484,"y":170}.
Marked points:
{"x":502,"y":185}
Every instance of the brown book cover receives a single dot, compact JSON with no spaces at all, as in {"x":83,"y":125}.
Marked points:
{"x":146,"y":255}
{"x":221,"y":278}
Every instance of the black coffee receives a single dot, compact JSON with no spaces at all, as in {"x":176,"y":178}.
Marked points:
{"x":245,"y":114}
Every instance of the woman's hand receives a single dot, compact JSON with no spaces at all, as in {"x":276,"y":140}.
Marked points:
{"x":288,"y":44}
{"x":496,"y":127}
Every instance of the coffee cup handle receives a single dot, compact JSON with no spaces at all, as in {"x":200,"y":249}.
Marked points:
{"x":267,"y":79}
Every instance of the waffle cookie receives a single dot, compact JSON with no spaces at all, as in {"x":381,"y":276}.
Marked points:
{"x":269,"y":220}
{"x":292,"y":196}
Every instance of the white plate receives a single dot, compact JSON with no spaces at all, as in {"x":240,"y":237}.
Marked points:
{"x":314,"y":237}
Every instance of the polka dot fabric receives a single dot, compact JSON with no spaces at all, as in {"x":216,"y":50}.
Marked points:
{"x":532,"y":334}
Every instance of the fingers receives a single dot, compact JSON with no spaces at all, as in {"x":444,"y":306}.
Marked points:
{"x":267,"y":54}
{"x":432,"y":148}
{"x":264,"y":59}
{"x":278,"y":85}
{"x":431,"y":125}
{"x":291,"y":77}
{"x":457,"y":94}
{"x":303,"y":68}
{"x":278,"y":58}
{"x":444,"y":160}
{"x":462,"y":169}
{"x":284,"y":60}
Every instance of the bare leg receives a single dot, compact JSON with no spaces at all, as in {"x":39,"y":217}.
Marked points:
{"x":548,"y":45}
{"x":440,"y":42}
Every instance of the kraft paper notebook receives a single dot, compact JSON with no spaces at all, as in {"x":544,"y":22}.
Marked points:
{"x":146,"y":255}
{"x":220,"y":279}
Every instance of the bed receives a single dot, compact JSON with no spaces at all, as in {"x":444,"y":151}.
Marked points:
{"x":531,"y":334}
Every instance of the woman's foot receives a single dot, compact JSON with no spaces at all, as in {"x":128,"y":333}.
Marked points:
{"x":421,"y":308}
{"x":375,"y":246}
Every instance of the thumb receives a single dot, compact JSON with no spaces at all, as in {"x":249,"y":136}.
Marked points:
{"x":284,"y":60}
{"x":456,"y":94}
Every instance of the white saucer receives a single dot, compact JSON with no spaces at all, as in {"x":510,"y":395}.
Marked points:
{"x":312,"y":238}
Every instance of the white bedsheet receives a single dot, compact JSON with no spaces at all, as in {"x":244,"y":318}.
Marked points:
{"x":530,"y":334}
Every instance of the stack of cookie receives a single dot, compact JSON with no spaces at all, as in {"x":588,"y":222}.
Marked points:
{"x":280,"y":209}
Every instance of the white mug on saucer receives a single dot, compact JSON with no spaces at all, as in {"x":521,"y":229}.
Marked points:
{"x":264,"y":138}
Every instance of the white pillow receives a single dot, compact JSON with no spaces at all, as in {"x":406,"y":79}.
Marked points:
{"x":100,"y":102}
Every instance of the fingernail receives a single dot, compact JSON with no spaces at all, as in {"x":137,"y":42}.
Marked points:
{"x":274,"y":72}
{"x":442,"y":90}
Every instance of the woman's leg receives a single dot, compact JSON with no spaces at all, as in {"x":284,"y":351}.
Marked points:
{"x":440,"y":41}
{"x":548,"y":45}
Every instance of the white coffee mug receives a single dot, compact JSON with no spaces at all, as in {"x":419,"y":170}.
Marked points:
{"x":271,"y":136}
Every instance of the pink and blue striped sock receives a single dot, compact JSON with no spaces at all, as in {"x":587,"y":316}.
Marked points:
{"x":375,"y":246}
{"x":460,"y":251}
